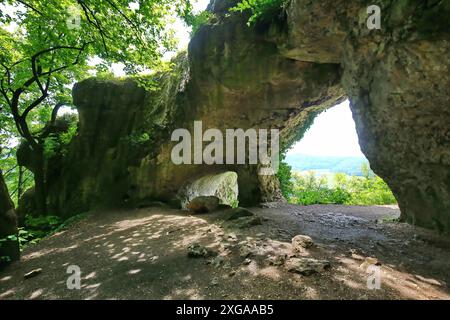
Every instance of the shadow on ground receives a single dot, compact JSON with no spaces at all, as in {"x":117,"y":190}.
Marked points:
{"x":142,"y":254}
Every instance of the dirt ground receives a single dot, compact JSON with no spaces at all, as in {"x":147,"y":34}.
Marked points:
{"x":142,"y":254}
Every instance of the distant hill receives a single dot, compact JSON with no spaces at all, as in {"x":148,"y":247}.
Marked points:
{"x":324,"y":164}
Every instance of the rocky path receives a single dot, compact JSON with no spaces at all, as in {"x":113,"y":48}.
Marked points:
{"x":159,"y":253}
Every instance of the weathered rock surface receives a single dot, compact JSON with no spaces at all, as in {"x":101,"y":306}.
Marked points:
{"x":300,"y":242}
{"x":9,"y":249}
{"x":307,"y":266}
{"x":237,"y":213}
{"x":203,"y":204}
{"x":397,"y":80}
{"x":278,"y":75}
{"x":234,"y":77}
{"x":196,"y":250}
{"x":223,"y":186}
{"x":247,"y":222}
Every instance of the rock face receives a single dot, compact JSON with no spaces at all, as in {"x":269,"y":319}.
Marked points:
{"x":277,"y":75}
{"x":223,"y":186}
{"x":398,"y":83}
{"x":234,"y":77}
{"x":300,"y":242}
{"x":204,"y":204}
{"x":9,"y":249}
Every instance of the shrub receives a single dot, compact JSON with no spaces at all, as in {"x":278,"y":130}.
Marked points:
{"x":37,"y":228}
{"x":262,"y":10}
{"x":285,"y":177}
{"x":368,"y":190}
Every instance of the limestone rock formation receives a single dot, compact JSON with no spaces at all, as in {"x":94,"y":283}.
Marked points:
{"x":203,"y":204}
{"x":233,"y":77}
{"x":277,"y":75}
{"x":398,"y":80}
{"x":223,"y":186}
{"x":9,"y":248}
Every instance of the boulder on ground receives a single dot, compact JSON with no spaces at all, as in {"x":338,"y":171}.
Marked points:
{"x":307,"y":266}
{"x":300,"y":242}
{"x":224,"y":186}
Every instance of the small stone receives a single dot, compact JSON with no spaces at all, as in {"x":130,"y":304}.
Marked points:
{"x":300,"y":242}
{"x":277,"y":260}
{"x":246,"y":251}
{"x":247,"y":262}
{"x":227,"y":245}
{"x":198,"y":251}
{"x":214,"y":282}
{"x":307,"y":266}
{"x":357,"y":256}
{"x":217,"y":261}
{"x":369,"y":261}
{"x":33,"y":273}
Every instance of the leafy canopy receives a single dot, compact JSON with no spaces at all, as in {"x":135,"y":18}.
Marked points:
{"x":55,"y":39}
{"x":261,"y":10}
{"x":50,"y":49}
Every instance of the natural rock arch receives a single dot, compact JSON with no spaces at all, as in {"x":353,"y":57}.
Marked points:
{"x":278,"y":75}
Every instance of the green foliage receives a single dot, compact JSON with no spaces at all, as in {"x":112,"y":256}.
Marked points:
{"x":137,"y":139}
{"x":47,"y":52}
{"x":261,"y":10}
{"x":342,"y":189}
{"x":6,"y":259}
{"x":234,"y":203}
{"x":56,"y":144}
{"x":11,"y":173}
{"x":42,"y":222}
{"x":197,"y":20}
{"x":67,"y":223}
{"x":311,"y":189}
{"x":38,"y":228}
{"x":285,"y":177}
{"x":26,"y":238}
{"x":369,"y":191}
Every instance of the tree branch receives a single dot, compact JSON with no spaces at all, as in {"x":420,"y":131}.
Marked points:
{"x":20,"y":119}
{"x":30,"y":7}
{"x":96,"y":24}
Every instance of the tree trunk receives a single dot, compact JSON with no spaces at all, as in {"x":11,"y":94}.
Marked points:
{"x":20,"y":184}
{"x":39,"y":181}
{"x":9,"y":248}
